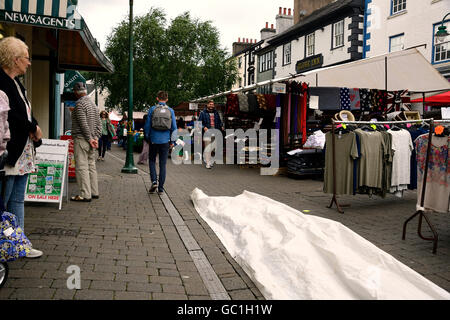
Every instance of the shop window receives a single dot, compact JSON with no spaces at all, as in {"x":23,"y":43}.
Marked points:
{"x":397,"y":6}
{"x":338,"y":34}
{"x":287,"y":54}
{"x":310,"y":44}
{"x":441,"y":49}
{"x":396,"y":43}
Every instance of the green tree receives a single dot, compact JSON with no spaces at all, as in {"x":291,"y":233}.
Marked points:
{"x":183,"y":58}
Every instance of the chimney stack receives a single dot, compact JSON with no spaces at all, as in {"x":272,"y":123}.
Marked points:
{"x":239,"y":39}
{"x":289,"y":12}
{"x":284,"y":21}
{"x":271,"y":26}
{"x":281,"y":10}
{"x":267,"y":25}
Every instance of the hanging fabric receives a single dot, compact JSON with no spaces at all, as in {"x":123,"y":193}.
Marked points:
{"x":345,"y":99}
{"x":401,"y":170}
{"x":437,"y":193}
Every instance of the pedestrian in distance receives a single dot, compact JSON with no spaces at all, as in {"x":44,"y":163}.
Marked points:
{"x":210,"y":119}
{"x":86,"y":130}
{"x":24,"y":132}
{"x":158,"y":130}
{"x":143,"y":157}
{"x":107,"y":135}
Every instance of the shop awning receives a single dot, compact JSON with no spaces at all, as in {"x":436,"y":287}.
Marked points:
{"x":407,"y":69}
{"x":77,"y":49}
{"x":436,"y":100}
{"x":60,"y":14}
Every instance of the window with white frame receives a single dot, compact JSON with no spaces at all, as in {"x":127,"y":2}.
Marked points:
{"x":442,"y":49}
{"x":338,"y":34}
{"x":398,"y":5}
{"x":266,"y":61}
{"x":287,"y":53}
{"x":310,"y":44}
{"x":396,"y":43}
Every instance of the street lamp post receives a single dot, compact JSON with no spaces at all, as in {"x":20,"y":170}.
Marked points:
{"x":129,"y":163}
{"x":442,"y":33}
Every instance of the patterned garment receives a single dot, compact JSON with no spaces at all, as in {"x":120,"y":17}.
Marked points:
{"x":355,"y":100}
{"x":365,"y":97}
{"x":345,"y":99}
{"x":262,"y":101}
{"x":232,"y":105}
{"x":398,"y":101}
{"x":437,"y":193}
{"x":5,"y":135}
{"x":378,"y":100}
{"x":243,"y":102}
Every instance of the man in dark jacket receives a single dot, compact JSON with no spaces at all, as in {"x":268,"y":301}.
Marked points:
{"x":210,"y":119}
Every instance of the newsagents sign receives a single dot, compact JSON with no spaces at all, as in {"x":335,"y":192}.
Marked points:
{"x":58,"y":14}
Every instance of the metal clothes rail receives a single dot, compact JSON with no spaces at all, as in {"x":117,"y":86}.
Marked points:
{"x":421,"y":212}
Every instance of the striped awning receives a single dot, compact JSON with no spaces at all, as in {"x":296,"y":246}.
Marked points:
{"x":59,"y":14}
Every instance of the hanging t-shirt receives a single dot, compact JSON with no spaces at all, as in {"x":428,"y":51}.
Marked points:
{"x":346,"y":152}
{"x":437,"y":193}
{"x":373,"y":149}
{"x":401,"y":169}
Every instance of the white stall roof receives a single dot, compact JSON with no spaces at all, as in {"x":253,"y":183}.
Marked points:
{"x":407,"y":69}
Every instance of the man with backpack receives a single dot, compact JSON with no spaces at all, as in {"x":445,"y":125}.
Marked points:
{"x":160,"y":125}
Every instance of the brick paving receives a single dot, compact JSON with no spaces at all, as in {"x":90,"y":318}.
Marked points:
{"x":128,"y":247}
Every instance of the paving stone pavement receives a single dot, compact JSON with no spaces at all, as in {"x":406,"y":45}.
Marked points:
{"x":128,"y":247}
{"x":378,"y":220}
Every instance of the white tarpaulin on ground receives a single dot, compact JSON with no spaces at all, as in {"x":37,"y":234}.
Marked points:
{"x":290,"y":255}
{"x":407,"y":69}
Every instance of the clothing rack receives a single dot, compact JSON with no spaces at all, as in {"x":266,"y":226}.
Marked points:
{"x":421,"y":213}
{"x":333,"y":127}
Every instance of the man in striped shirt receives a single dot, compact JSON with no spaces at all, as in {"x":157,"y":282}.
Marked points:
{"x":86,"y":130}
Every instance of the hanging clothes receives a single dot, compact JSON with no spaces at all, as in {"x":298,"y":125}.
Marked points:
{"x":373,"y":151}
{"x":387,"y":163}
{"x":365,"y":97}
{"x":401,"y":170}
{"x":437,"y":193}
{"x":232,"y":105}
{"x":415,"y":133}
{"x":345,"y":99}
{"x":355,"y":100}
{"x":346,"y":153}
{"x":243,"y":102}
{"x":252,"y":104}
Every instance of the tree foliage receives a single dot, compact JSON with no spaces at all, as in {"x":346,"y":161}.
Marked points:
{"x":183,"y":58}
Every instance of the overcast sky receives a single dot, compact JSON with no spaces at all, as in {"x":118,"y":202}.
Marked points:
{"x":233,"y":18}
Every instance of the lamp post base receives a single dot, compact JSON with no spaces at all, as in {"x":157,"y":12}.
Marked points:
{"x":130,"y":169}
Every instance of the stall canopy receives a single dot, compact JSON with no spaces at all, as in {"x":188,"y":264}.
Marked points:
{"x":407,"y":69}
{"x":442,"y":99}
{"x":77,"y":49}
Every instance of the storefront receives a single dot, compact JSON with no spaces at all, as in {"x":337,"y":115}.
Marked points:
{"x":58,"y":40}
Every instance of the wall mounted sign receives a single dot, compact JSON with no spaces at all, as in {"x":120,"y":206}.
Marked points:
{"x":309,"y":63}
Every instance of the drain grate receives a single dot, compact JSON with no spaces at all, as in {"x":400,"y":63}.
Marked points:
{"x":56,"y":232}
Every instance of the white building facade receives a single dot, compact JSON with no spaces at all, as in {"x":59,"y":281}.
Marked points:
{"x":393,"y":25}
{"x":329,"y":36}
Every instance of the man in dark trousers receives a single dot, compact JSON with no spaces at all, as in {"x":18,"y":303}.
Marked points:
{"x":210,"y":119}
{"x":158,"y":130}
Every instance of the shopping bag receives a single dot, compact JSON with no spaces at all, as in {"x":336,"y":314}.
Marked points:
{"x":13,"y":242}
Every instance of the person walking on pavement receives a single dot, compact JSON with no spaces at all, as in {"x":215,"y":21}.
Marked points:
{"x":210,"y":119}
{"x":158,"y":130}
{"x":86,"y":130}
{"x":24,"y":132}
{"x":107,"y":135}
{"x":143,"y":157}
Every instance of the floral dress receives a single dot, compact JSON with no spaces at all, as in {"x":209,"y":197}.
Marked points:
{"x":437,"y":193}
